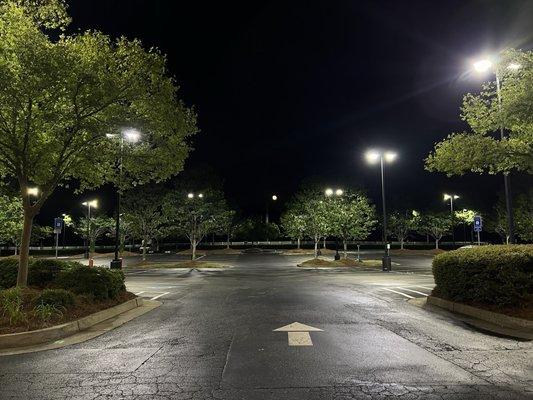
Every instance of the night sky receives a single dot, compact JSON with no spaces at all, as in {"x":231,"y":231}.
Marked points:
{"x":286,"y":90}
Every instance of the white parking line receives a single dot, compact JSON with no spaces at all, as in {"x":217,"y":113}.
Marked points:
{"x":423,"y":287}
{"x":403,"y":294}
{"x":197,"y":258}
{"x":159,"y":295}
{"x":413,"y":291}
{"x":136,"y":294}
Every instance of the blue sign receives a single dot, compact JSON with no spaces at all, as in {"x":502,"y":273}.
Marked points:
{"x":58,"y":225}
{"x":478,"y":223}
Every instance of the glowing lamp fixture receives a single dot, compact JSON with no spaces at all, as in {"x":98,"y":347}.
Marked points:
{"x":131,"y":135}
{"x":329,"y":192}
{"x":274,"y":197}
{"x":450,"y":196}
{"x":33,"y":191}
{"x":91,"y":203}
{"x":373,"y":156}
{"x":482,"y":65}
{"x":190,"y":195}
{"x":339,"y":192}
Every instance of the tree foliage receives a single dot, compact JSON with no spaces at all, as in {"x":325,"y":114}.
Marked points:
{"x":61,"y":95}
{"x":294,"y":224}
{"x":402,"y":224}
{"x":351,"y":216}
{"x":11,"y":217}
{"x":436,"y":225}
{"x":93,"y":229}
{"x":481,"y":150}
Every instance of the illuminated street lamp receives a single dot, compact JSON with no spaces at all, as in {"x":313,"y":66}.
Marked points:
{"x":329,"y":193}
{"x":450,"y":197}
{"x":373,"y":157}
{"x":482,"y":66}
{"x":32,"y":191}
{"x":274,"y":198}
{"x":131,"y":136}
{"x":89,"y":204}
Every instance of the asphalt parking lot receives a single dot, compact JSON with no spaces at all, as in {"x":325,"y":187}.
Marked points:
{"x":266,"y":329}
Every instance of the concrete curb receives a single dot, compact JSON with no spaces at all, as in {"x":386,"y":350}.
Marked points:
{"x":484,"y":315}
{"x":39,"y":336}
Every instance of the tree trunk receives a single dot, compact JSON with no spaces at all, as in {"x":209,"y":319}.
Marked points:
{"x":324,"y":245}
{"x":144,"y":248}
{"x":437,"y":244}
{"x":227,"y":242}
{"x":316,"y":246}
{"x":345,"y":245}
{"x":193,"y":249}
{"x":22,"y":277}
{"x":16,"y":250}
{"x":298,"y":246}
{"x":401,"y":244}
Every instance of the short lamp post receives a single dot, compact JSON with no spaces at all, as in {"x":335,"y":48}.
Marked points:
{"x":89,"y":204}
{"x":373,"y":157}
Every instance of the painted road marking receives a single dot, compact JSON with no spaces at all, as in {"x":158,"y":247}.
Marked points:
{"x":159,"y":295}
{"x":298,"y":334}
{"x":136,"y":294}
{"x":413,"y":291}
{"x":400,"y":293}
{"x":423,"y":287}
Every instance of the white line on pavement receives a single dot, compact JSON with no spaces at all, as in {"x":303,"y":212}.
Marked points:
{"x":197,"y":258}
{"x":423,"y":287}
{"x":403,"y":294}
{"x":414,"y":291}
{"x":159,"y":295}
{"x":136,"y":294}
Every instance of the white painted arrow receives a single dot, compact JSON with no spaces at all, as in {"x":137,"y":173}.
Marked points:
{"x":298,"y":333}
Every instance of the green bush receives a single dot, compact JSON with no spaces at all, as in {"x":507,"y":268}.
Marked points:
{"x":59,"y":298}
{"x":498,"y":275}
{"x":8,"y":272}
{"x":41,"y":272}
{"x":45,"y":312}
{"x":100,"y":283}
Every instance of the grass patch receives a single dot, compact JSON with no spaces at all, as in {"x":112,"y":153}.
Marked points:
{"x":348,"y":262}
{"x":181,"y":264}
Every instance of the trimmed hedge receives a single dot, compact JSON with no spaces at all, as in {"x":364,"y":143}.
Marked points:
{"x":41,"y":272}
{"x":100,"y":283}
{"x":55,"y":297}
{"x":500,"y":275}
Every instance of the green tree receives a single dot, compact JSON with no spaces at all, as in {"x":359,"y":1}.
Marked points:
{"x":143,"y":214}
{"x":524,"y":215}
{"x":402,"y":224}
{"x":227,"y":224}
{"x":93,"y":229}
{"x":11,"y":220}
{"x":193,"y":216}
{"x":311,"y":204}
{"x":294,"y":225}
{"x":479,"y":150}
{"x":352,"y":217}
{"x":436,"y":225}
{"x":39,"y":233}
{"x":61,"y":94}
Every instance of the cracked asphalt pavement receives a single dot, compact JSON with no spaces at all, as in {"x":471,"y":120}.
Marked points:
{"x":213,"y":338}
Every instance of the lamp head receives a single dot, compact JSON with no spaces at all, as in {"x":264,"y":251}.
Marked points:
{"x":339,"y":192}
{"x":190,"y":195}
{"x":390,"y":156}
{"x":131,"y":135}
{"x":274,"y":197}
{"x":482,"y":65}
{"x":372,"y":156}
{"x":329,"y":192}
{"x":32,"y":191}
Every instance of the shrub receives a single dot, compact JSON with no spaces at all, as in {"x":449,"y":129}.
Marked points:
{"x":8,"y":272}
{"x":59,"y":298}
{"x":499,"y":275}
{"x":11,"y":304}
{"x":45,"y":312}
{"x":100,"y":283}
{"x":41,"y":272}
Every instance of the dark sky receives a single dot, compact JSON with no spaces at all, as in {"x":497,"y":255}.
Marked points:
{"x":290,"y":89}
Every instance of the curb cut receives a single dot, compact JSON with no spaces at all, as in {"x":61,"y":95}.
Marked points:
{"x":40,"y":336}
{"x":484,"y":315}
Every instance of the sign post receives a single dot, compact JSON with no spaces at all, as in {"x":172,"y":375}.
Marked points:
{"x":478,"y":227}
{"x":58,"y":227}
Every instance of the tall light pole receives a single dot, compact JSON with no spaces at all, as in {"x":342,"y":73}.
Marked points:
{"x":330,"y":193}
{"x":130,"y":136}
{"x":89,"y":204}
{"x":482,"y":66}
{"x":273,"y":198}
{"x":194,"y":219}
{"x":372,"y":157}
{"x":451,"y":197}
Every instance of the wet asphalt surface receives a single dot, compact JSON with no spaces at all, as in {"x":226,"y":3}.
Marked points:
{"x":214,"y":338}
